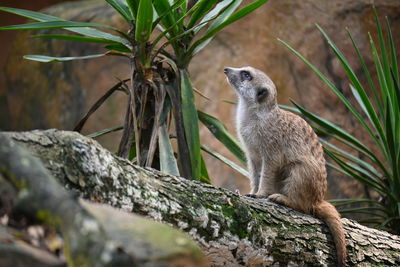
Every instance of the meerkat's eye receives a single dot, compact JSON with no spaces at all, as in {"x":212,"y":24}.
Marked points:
{"x":245,"y":75}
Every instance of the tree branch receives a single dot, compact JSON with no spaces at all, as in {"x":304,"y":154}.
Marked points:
{"x":231,"y":230}
{"x":94,"y":235}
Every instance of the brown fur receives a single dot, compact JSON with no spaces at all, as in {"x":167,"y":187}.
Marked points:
{"x":285,"y":158}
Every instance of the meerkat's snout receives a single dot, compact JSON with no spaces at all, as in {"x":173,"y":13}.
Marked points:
{"x":231,"y":76}
{"x":227,"y":70}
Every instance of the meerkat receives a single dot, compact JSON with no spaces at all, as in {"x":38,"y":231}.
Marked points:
{"x":285,"y":159}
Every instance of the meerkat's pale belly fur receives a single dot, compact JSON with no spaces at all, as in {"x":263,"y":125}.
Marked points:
{"x":285,"y":159}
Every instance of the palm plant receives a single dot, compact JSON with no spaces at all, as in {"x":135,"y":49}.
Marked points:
{"x":379,"y":116}
{"x":162,"y":39}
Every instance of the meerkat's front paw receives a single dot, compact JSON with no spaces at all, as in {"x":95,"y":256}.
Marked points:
{"x":277,"y":198}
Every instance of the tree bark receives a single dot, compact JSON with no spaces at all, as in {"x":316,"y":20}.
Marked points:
{"x":93,"y":235}
{"x":231,"y":230}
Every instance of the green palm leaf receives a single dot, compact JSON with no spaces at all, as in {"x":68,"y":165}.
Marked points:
{"x":225,"y":160}
{"x":144,"y":21}
{"x":133,"y":7}
{"x":86,"y":31}
{"x":75,"y":38}
{"x":202,"y":7}
{"x":224,"y":20}
{"x":221,"y":133}
{"x":61,"y":24}
{"x":168,"y":162}
{"x":47,"y":59}
{"x":204,"y":177}
{"x":122,"y":9}
{"x":190,"y":119}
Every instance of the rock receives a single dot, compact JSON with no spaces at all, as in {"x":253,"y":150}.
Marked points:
{"x":57,"y":95}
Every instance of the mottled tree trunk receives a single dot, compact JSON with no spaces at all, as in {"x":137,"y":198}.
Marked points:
{"x":231,"y":230}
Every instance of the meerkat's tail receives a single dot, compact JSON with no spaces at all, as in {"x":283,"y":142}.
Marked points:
{"x":328,"y":213}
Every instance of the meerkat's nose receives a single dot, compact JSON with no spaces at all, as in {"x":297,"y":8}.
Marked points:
{"x":226,"y":70}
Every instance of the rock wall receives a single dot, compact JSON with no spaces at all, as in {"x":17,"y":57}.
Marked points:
{"x":58,"y":94}
{"x":7,"y":37}
{"x":253,"y":41}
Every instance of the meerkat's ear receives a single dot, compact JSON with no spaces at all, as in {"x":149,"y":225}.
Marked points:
{"x":261,"y":94}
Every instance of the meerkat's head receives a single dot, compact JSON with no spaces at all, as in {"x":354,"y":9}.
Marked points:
{"x":252,"y":85}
